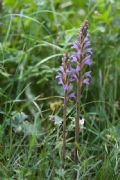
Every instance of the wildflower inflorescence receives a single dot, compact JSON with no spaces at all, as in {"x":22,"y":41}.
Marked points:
{"x":82,"y":55}
{"x":73,"y":69}
{"x":81,"y":58}
{"x":65,"y":76}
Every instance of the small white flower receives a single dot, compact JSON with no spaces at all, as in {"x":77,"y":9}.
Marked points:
{"x":18,"y":129}
{"x":82,"y":121}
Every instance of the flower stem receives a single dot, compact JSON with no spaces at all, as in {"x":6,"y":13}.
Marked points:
{"x":77,"y":127}
{"x":64,"y":128}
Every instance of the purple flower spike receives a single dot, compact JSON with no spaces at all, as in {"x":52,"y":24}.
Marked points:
{"x":82,"y":54}
{"x":65,"y":74}
{"x":73,"y":68}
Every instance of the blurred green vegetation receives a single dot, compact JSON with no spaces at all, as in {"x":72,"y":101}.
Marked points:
{"x":34,"y":34}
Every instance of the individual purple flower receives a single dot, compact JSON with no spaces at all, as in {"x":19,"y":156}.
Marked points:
{"x":88,"y":74}
{"x":87,"y":44}
{"x":77,"y":46}
{"x":67,"y":87}
{"x":74,"y":57}
{"x":73,"y":78}
{"x":86,"y":81}
{"x":87,"y":77}
{"x":89,"y":51}
{"x":87,"y":60}
{"x":59,"y":76}
{"x":60,"y":81}
{"x":61,"y":68}
{"x":78,"y":68}
{"x":72,"y":95}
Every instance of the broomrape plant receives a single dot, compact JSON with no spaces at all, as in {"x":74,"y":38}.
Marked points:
{"x":74,"y":69}
{"x":64,"y":78}
{"x":81,"y":58}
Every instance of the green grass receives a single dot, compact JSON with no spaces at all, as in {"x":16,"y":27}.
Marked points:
{"x":33,"y":36}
